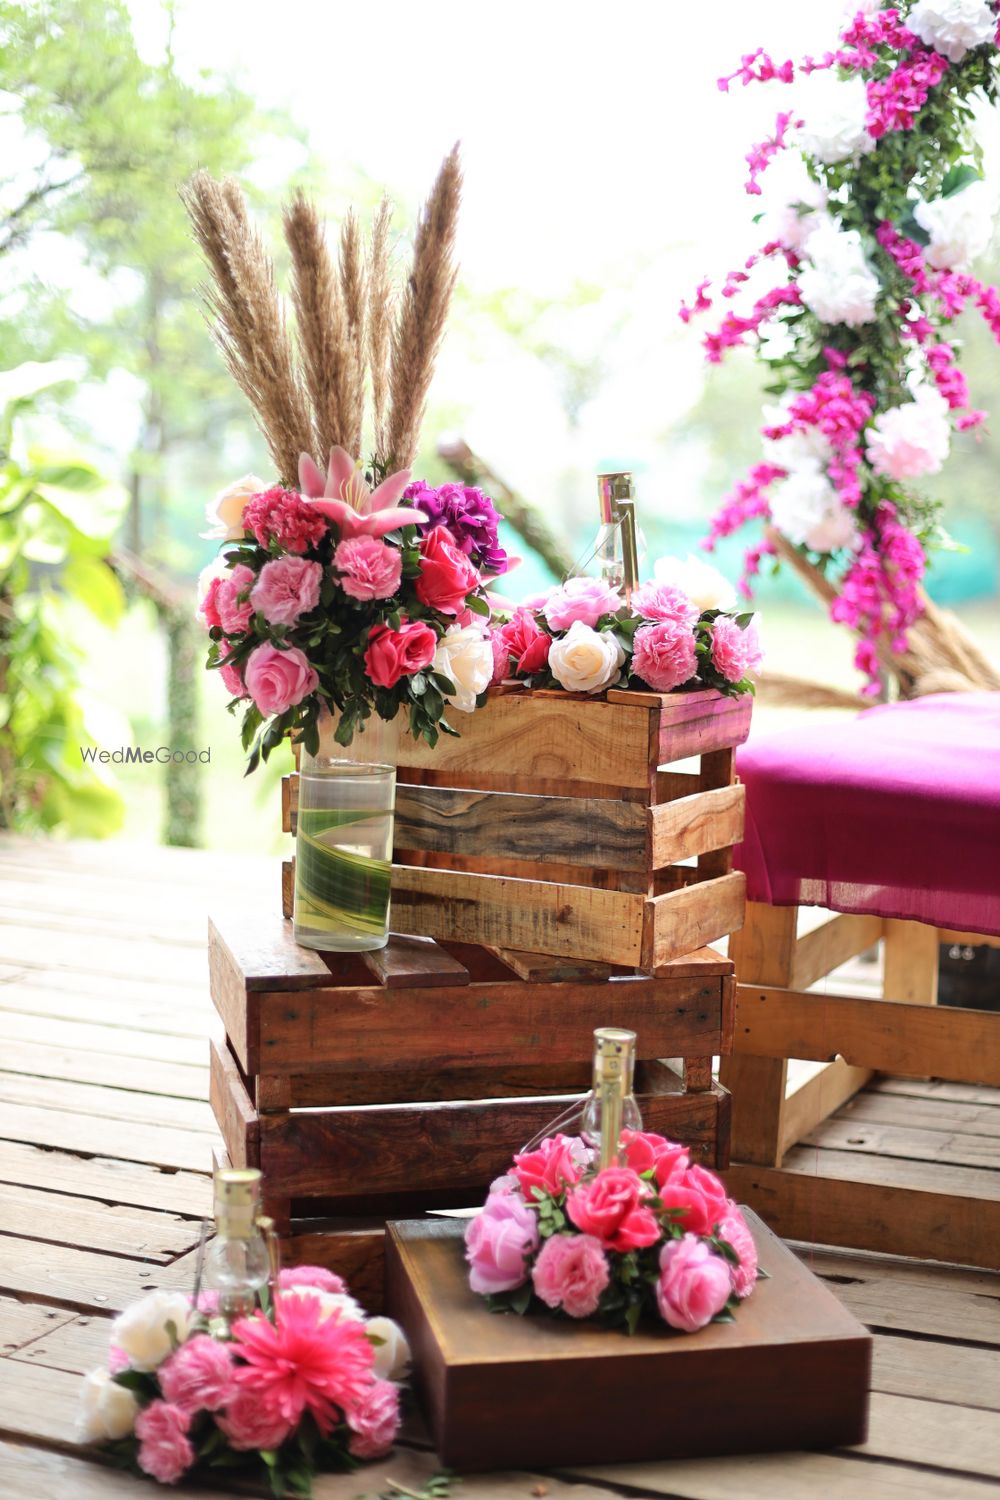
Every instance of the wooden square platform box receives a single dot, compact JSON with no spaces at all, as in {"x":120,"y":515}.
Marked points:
{"x":503,"y":1392}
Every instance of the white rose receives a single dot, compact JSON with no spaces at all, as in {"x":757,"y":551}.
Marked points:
{"x":585,"y":660}
{"x":907,"y":441}
{"x":465,"y":655}
{"x":960,"y":226}
{"x":330,"y":1303}
{"x":392,"y":1355}
{"x":224,"y":514}
{"x":704,"y":585}
{"x":838,"y":285}
{"x":801,"y":449}
{"x":951,"y":27}
{"x":107,"y":1410}
{"x":806,"y":509}
{"x":141,"y":1330}
{"x":833,"y":113}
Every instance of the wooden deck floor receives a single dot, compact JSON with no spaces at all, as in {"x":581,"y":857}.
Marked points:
{"x":105,"y":1148}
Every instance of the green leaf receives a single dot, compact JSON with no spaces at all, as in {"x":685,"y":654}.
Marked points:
{"x":521,"y":1298}
{"x":632,"y":1315}
{"x":477,"y":605}
{"x":92,"y":582}
{"x":958,"y":177}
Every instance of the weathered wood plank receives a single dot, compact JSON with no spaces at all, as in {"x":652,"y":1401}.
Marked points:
{"x":51,"y":1050}
{"x":68,"y":1277}
{"x":887,"y":1107}
{"x":946,"y":1303}
{"x":66,"y":1220}
{"x":22,"y":1323}
{"x":156,"y":1145}
{"x":764,"y":948}
{"x":784,"y":1476}
{"x":411,"y":961}
{"x":934,"y":1432}
{"x":680,"y":921}
{"x":234,"y":1111}
{"x":932,"y":1371}
{"x":819,"y":952}
{"x":111,"y":1181}
{"x":816,"y":1099}
{"x":112,"y":1103}
{"x":846,"y":1133}
{"x":74,"y":1344}
{"x":727,"y":723}
{"x":694,"y":825}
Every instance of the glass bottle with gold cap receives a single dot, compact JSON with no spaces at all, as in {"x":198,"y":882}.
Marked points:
{"x":237,"y":1262}
{"x":616,"y":546}
{"x":611,"y":1107}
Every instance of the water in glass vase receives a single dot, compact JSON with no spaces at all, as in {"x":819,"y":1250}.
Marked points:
{"x":343,"y":854}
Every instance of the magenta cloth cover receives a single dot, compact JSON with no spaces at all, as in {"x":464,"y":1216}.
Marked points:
{"x":895,"y":813}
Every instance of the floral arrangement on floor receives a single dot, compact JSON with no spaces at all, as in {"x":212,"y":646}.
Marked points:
{"x":878,"y":211}
{"x":655,"y":1234}
{"x":304,"y":1385}
{"x":676,"y":631}
{"x":347,"y":589}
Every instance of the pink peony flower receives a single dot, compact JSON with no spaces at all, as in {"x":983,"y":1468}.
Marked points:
{"x":498,"y":1242}
{"x":522,"y":640}
{"x":209,"y":605}
{"x":232,"y":599}
{"x":702,"y":1197}
{"x":694,"y":1284}
{"x":230,"y":673}
{"x":557,"y":1164}
{"x":374,"y":1421}
{"x":664,"y":655}
{"x":663,"y":601}
{"x":645,"y":1152}
{"x":392,"y":654}
{"x":277,"y":680}
{"x":282,"y":516}
{"x":735,"y":652}
{"x":287,"y":587}
{"x":610,"y":1206}
{"x":198,"y":1376}
{"x":585,"y":599}
{"x":571,"y":1272}
{"x":736,"y":1232}
{"x":446,"y":575}
{"x":317,"y":1276}
{"x":250,"y":1424}
{"x":306,"y":1361}
{"x":371,"y":569}
{"x":164,"y":1449}
{"x":347,"y":499}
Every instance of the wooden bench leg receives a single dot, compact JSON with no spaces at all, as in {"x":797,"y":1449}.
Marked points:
{"x":911,"y":962}
{"x":757,"y":1086}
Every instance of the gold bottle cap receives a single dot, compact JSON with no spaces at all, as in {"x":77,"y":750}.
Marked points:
{"x":237,"y":1200}
{"x":611,"y":489}
{"x":614,"y":1055}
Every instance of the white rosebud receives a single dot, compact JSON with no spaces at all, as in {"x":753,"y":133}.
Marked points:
{"x":224,"y":514}
{"x":704,"y":585}
{"x":838,"y":285}
{"x":465,"y":655}
{"x":392,"y":1355}
{"x":141,"y":1330}
{"x":908,"y":441}
{"x":806,"y":509}
{"x":585,"y":660}
{"x":952,"y":27}
{"x":960,"y":226}
{"x":107,"y":1410}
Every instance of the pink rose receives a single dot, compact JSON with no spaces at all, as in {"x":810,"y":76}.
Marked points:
{"x":521,"y":639}
{"x":501,"y":659}
{"x":374,"y":1421}
{"x":446,"y":574}
{"x":287,"y":587}
{"x":585,"y":599}
{"x":249,"y":1423}
{"x":645,"y":1152}
{"x":277,"y":680}
{"x":164,"y":1450}
{"x":392,"y":654}
{"x":498,"y":1242}
{"x":557,"y":1164}
{"x":230,"y":673}
{"x":232,"y":599}
{"x":317,"y":1276}
{"x":664,"y":655}
{"x":571,"y":1272}
{"x":694,"y":1284}
{"x":662,"y":601}
{"x":198,"y":1376}
{"x":610,"y":1206}
{"x":702,"y":1197}
{"x":736,"y":1232}
{"x":209,"y":606}
{"x":735,"y":652}
{"x":371,"y":569}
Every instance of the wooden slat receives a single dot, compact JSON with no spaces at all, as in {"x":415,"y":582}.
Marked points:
{"x":785,"y":1476}
{"x":106,"y":1041}
{"x":156,"y":1145}
{"x":757,"y":1087}
{"x":65,"y":1220}
{"x":693,"y":825}
{"x":726,"y":724}
{"x":74,"y":1344}
{"x":813,"y":1101}
{"x":414,"y":961}
{"x":948,"y":1147}
{"x":819,"y":952}
{"x":546,"y":968}
{"x":21,"y":1323}
{"x":236,"y":1116}
{"x":107,"y":1103}
{"x":764,"y":949}
{"x":685,"y":919}
{"x":109,"y":1180}
{"x":934,"y":1371}
{"x":911,"y":1039}
{"x":68,"y":1277}
{"x":911,"y":962}
{"x":934,"y":1432}
{"x":906,"y":1296}
{"x":34,"y":1060}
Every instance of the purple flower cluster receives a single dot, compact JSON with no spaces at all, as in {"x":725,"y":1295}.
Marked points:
{"x":469,"y":515}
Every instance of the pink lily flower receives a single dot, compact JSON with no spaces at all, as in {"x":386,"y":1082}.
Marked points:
{"x":346,"y":499}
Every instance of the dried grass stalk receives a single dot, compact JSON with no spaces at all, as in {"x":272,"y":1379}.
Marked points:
{"x":324,"y":340}
{"x":352,"y":284}
{"x":420,"y":325}
{"x":381,"y":302}
{"x":247,"y":318}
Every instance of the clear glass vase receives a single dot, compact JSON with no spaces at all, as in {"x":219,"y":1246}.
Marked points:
{"x":343,"y":842}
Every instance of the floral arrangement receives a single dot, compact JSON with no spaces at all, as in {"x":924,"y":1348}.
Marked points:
{"x":306,"y":1384}
{"x":655,"y":1234}
{"x":675,"y":631}
{"x":878,"y":211}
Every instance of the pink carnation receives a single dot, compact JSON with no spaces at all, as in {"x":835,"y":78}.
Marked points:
{"x":287,"y":588}
{"x":282,"y":516}
{"x":277,"y":680}
{"x":571,"y":1272}
{"x":662,"y":601}
{"x":612,"y":1207}
{"x":232,"y":599}
{"x":694,"y":1284}
{"x":370,"y":568}
{"x":317,"y":1276}
{"x":198,"y":1376}
{"x":230,"y":673}
{"x":250,"y":1424}
{"x":209,"y":605}
{"x":374,"y":1421}
{"x":736,"y":1232}
{"x":499,"y":1241}
{"x":585,"y":599}
{"x":664,"y":655}
{"x":735,"y":652}
{"x":557,"y":1164}
{"x":164,"y":1449}
{"x":307,"y":1361}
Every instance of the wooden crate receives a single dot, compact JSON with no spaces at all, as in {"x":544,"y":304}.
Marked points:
{"x":373,"y":1085}
{"x":551,"y":826}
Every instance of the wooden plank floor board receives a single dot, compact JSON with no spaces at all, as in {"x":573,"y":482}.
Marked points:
{"x":956,"y":1373}
{"x":113,"y":1102}
{"x":21,"y":1323}
{"x":106,"y":1042}
{"x":104,"y":1070}
{"x":62,"y":1220}
{"x":74,"y":1344}
{"x":156,"y":1144}
{"x":111,"y":1181}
